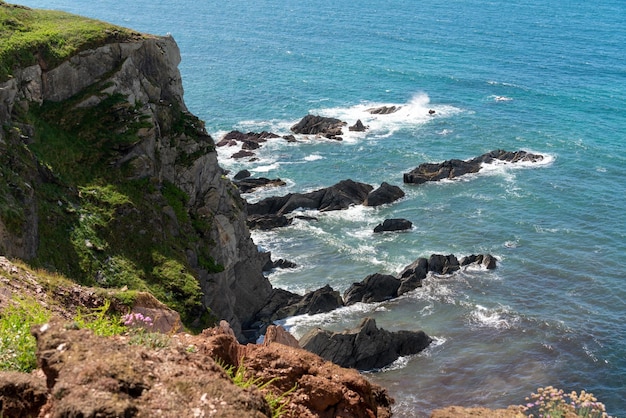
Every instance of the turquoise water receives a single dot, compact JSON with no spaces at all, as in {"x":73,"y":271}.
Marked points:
{"x":548,"y":77}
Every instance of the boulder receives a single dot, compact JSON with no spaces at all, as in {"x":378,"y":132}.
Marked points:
{"x":289,"y":138}
{"x":394,"y":225}
{"x":486,"y":260}
{"x":443,"y":264}
{"x":365,"y":347}
{"x":243,"y":174}
{"x":319,"y":125}
{"x":267,"y":222}
{"x":374,"y":288}
{"x":246,"y":185}
{"x":455,"y":168}
{"x":412,"y":275}
{"x":281,"y":263}
{"x":383,"y":110}
{"x":339,"y":196}
{"x":242,"y":154}
{"x":386,"y":193}
{"x":357,"y":127}
{"x":321,"y":300}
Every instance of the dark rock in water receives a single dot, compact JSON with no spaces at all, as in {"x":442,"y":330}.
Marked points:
{"x":226,"y":142}
{"x":243,"y":174}
{"x":281,"y":263}
{"x":279,"y":299}
{"x":340,"y":196}
{"x":383,"y":110}
{"x":412,"y":275}
{"x":267,"y":222}
{"x":393,"y":225}
{"x":455,"y":168}
{"x":374,"y":288}
{"x":366,"y":347}
{"x":249,"y":137}
{"x":242,"y":154}
{"x":306,"y":218}
{"x":248,"y":184}
{"x":443,"y":264}
{"x":289,"y":138}
{"x":321,"y":300}
{"x":386,"y":193}
{"x":357,"y":127}
{"x":486,"y":260}
{"x":319,"y":125}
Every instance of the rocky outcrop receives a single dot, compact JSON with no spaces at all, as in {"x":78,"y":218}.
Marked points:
{"x":412,"y":275}
{"x":450,"y":169}
{"x":385,"y":194}
{"x":339,"y":196}
{"x":374,"y":288}
{"x":383,"y":110}
{"x":365,"y":347}
{"x":163,"y":144}
{"x":249,"y":184}
{"x":358,"y":127}
{"x":390,"y":225}
{"x":319,"y":125}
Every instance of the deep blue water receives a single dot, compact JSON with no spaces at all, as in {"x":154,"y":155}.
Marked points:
{"x":548,"y":77}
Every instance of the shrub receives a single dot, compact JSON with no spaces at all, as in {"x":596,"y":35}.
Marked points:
{"x":555,"y":403}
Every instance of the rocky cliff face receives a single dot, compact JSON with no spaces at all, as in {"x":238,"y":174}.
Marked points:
{"x":133,"y":91}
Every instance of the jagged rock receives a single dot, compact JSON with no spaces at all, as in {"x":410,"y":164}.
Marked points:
{"x":339,"y":196}
{"x":250,"y":140}
{"x":486,"y":260}
{"x":383,"y":110}
{"x":412,"y":275}
{"x":357,"y":127}
{"x":248,"y":184}
{"x":321,"y":300}
{"x":374,"y":288}
{"x":455,"y":168}
{"x":289,"y":138}
{"x":322,"y":389}
{"x":365,"y":347}
{"x":443,"y":264}
{"x":21,"y":394}
{"x":243,"y":174}
{"x":242,"y":154}
{"x":281,"y":263}
{"x":386,"y":193}
{"x":278,"y":334}
{"x":279,"y":299}
{"x":267,"y":222}
{"x":319,"y":125}
{"x":394,"y":225}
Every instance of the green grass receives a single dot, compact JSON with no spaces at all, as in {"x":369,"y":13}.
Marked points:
{"x":29,"y":35}
{"x":100,"y":320}
{"x":17,"y":345}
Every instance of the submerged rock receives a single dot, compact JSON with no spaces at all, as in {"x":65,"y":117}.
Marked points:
{"x":365,"y":347}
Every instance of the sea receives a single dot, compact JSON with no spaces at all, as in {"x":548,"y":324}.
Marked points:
{"x":547,"y":77}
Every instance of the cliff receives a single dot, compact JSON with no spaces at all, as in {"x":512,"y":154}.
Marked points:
{"x":107,"y":178}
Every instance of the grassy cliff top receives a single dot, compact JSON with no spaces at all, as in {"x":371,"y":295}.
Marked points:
{"x":28,"y":36}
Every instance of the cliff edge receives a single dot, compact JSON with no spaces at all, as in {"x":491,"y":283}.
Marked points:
{"x":107,"y":178}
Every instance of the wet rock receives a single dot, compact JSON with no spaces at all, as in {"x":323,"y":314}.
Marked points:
{"x":321,"y":300}
{"x":383,"y":110}
{"x":248,"y":184}
{"x":242,"y":154}
{"x":374,"y":288}
{"x":385,"y":194}
{"x":443,"y":264}
{"x":319,"y":125}
{"x":412,"y":275}
{"x":357,"y":127}
{"x":393,"y":225}
{"x":486,"y":260}
{"x":281,"y":263}
{"x":267,"y":222}
{"x":365,"y":347}
{"x":243,"y":174}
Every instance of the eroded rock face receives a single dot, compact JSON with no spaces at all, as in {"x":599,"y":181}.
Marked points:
{"x":21,"y":394}
{"x":365,"y":347}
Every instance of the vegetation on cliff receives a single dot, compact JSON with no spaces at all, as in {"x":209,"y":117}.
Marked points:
{"x":28,"y":35}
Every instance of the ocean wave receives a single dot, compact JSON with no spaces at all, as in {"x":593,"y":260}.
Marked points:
{"x":498,"y":318}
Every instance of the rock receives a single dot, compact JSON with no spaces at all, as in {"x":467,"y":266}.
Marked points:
{"x":412,"y":275}
{"x":289,"y":138}
{"x":319,"y":125}
{"x":279,"y":299}
{"x":280,"y":264}
{"x":486,"y":260}
{"x":339,"y":196}
{"x":357,"y":127}
{"x":443,"y":264}
{"x":250,"y":140}
{"x":374,"y":288}
{"x":278,"y":334}
{"x":365,"y":347}
{"x":321,"y":300}
{"x":21,"y":394}
{"x":394,"y":225}
{"x":243,"y":174}
{"x":319,"y":389}
{"x":246,"y":185}
{"x":386,"y":193}
{"x":383,"y":110}
{"x":242,"y":154}
{"x":455,"y":168}
{"x":267,"y":222}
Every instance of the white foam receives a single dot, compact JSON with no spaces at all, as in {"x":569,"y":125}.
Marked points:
{"x":313,"y":157}
{"x":498,"y":318}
